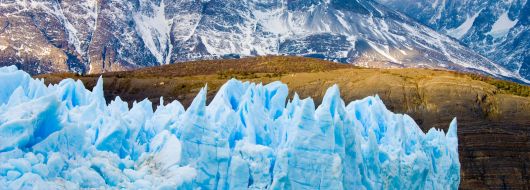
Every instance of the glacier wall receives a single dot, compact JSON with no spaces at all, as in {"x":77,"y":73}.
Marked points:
{"x":249,"y":137}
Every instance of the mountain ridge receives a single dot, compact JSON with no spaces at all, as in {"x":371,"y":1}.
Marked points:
{"x":120,"y":35}
{"x":497,"y":29}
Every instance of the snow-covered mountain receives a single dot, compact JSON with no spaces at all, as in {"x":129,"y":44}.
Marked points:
{"x":96,"y":36}
{"x":248,"y":137}
{"x":498,"y":29}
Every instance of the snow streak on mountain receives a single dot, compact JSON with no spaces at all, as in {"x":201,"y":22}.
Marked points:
{"x":498,"y":29}
{"x":96,"y":36}
{"x":248,"y":137}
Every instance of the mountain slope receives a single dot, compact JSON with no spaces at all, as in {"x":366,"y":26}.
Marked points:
{"x":98,"y":36}
{"x":495,"y":28}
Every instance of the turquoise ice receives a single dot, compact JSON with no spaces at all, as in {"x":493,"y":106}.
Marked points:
{"x":251,"y":136}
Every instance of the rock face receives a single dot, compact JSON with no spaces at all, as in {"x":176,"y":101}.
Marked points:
{"x":96,"y":36}
{"x":493,"y":124}
{"x":495,"y":28}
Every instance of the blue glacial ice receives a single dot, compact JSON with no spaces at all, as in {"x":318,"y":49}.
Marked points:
{"x":249,"y":137}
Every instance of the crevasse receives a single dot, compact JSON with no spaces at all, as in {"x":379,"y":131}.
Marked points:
{"x":249,"y":137}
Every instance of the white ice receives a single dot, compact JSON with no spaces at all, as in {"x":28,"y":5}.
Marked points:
{"x":249,"y":137}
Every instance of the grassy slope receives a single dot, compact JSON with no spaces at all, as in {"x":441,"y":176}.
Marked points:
{"x":493,"y":115}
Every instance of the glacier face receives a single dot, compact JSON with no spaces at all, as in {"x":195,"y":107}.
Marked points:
{"x":64,"y":136}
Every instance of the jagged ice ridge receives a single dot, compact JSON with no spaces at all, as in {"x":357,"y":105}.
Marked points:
{"x":64,"y":136}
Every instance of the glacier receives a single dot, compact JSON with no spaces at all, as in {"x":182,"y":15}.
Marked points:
{"x":251,"y":136}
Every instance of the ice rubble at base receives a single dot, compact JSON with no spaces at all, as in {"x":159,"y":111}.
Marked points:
{"x":64,"y":136}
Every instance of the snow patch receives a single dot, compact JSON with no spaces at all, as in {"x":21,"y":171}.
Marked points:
{"x":155,"y":31}
{"x":272,"y":21}
{"x":502,"y":26}
{"x":384,"y":52}
{"x":461,"y":30}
